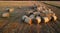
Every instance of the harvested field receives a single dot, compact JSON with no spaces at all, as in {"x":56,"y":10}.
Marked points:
{"x":13,"y":24}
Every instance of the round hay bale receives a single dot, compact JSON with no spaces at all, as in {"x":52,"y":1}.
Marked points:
{"x":5,"y":15}
{"x":27,"y":19}
{"x":11,"y":9}
{"x":46,"y":19}
{"x":32,"y":16}
{"x":54,"y":18}
{"x":38,"y":19}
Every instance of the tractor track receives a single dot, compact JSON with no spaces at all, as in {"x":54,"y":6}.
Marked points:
{"x":53,"y":27}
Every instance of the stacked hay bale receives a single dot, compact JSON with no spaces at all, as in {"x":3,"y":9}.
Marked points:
{"x":7,"y":12}
{"x":41,"y":14}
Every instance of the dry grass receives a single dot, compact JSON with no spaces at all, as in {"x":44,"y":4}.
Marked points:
{"x":19,"y":3}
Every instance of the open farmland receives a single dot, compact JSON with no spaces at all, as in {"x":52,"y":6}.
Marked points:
{"x":13,"y":24}
{"x":56,"y":3}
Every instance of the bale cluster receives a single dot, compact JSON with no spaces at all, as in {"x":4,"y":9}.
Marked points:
{"x":41,"y":14}
{"x":7,"y":12}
